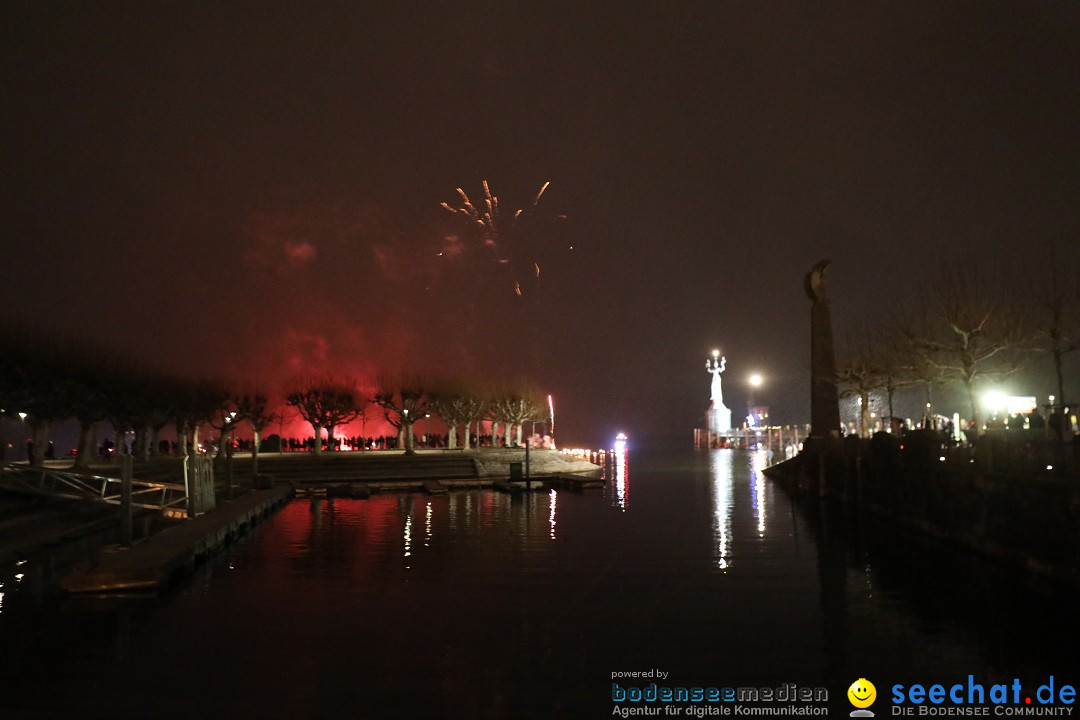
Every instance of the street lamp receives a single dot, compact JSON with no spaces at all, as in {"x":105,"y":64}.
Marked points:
{"x":755,"y":381}
{"x":227,"y":434}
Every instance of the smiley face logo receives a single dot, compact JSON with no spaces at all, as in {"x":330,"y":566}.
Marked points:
{"x":862,"y":693}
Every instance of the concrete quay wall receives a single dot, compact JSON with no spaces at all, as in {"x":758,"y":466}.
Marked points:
{"x":1028,"y":521}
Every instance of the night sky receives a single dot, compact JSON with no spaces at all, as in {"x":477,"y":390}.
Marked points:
{"x":253,"y":189}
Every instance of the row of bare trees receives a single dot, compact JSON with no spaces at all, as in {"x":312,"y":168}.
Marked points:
{"x":967,"y":328}
{"x":48,"y":380}
{"x":326,"y":402}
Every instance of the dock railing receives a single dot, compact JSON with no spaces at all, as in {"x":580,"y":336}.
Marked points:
{"x":87,"y":486}
{"x":199,"y":484}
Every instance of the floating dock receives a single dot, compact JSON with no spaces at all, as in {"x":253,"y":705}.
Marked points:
{"x":516,"y":486}
{"x":433,"y":487}
{"x":578,"y":482}
{"x":155,"y":563}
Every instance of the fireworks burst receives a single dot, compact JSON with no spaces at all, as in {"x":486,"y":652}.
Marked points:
{"x":497,"y":234}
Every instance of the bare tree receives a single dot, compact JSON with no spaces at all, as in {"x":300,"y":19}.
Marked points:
{"x":254,"y":407}
{"x":474,"y":406}
{"x":404,"y":401}
{"x":89,"y":385}
{"x":446,"y":403}
{"x":34,"y":381}
{"x":860,"y":374}
{"x":916,"y":366}
{"x":460,"y":403}
{"x":325,"y":402}
{"x":517,"y":405}
{"x":896,"y":362}
{"x":149,"y":392}
{"x":1055,"y":296}
{"x":224,"y":421}
{"x":194,"y":403}
{"x":971,"y":332}
{"x":47,"y":379}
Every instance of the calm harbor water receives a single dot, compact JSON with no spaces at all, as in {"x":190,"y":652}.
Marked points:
{"x":484,"y":605}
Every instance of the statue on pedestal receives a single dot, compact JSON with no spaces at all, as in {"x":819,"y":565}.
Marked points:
{"x":719,"y":416}
{"x":715,"y":368}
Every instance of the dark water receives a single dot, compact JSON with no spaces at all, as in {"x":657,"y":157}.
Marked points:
{"x":483,"y":605}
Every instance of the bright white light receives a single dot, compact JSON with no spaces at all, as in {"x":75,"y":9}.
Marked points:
{"x":994,"y":400}
{"x":756,"y":380}
{"x":716,"y":353}
{"x":551,"y":413}
{"x":999,"y":402}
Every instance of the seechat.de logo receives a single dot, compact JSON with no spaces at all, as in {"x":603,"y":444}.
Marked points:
{"x":862,"y":695}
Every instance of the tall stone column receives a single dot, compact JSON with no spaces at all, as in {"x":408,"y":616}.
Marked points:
{"x":824,"y":399}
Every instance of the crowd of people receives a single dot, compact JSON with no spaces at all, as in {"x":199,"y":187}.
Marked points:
{"x":382,"y":442}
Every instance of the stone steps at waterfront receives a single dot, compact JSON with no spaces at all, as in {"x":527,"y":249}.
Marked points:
{"x":357,"y":468}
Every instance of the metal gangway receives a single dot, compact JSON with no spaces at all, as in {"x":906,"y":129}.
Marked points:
{"x":170,"y":498}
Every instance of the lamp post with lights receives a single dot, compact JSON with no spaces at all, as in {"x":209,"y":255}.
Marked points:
{"x":22,"y":419}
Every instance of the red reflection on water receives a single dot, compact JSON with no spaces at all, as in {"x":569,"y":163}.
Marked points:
{"x":350,"y":527}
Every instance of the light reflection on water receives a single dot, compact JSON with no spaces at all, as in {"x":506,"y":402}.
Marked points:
{"x":757,"y":479}
{"x":552,"y":503}
{"x":619,"y":475}
{"x":485,"y":605}
{"x":722,"y":481}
